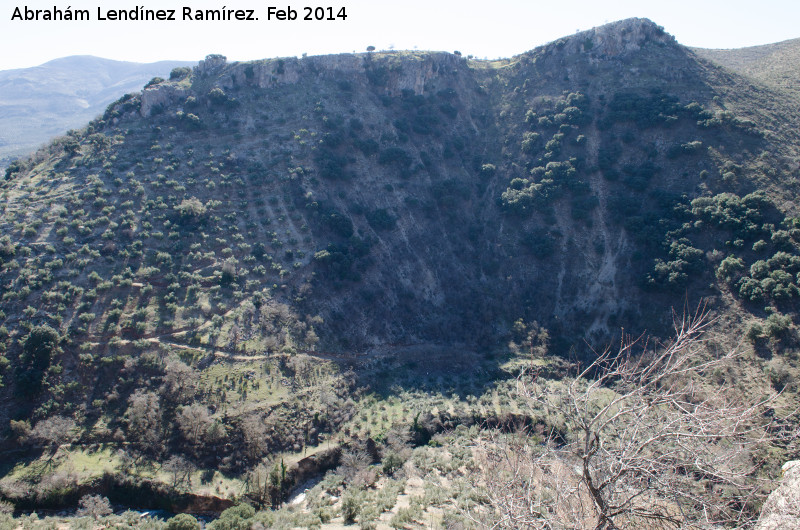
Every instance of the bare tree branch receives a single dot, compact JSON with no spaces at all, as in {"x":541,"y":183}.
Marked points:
{"x":640,"y":440}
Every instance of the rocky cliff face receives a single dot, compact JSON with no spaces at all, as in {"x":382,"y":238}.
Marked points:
{"x":417,"y":71}
{"x":156,"y":98}
{"x":617,"y":39}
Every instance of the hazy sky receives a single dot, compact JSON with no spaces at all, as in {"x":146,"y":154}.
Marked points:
{"x":497,"y":28}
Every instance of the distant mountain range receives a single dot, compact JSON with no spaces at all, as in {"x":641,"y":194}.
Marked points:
{"x":773,"y":64}
{"x":39,"y":103}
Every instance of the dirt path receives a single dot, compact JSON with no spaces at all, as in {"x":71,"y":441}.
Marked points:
{"x":228,"y":355}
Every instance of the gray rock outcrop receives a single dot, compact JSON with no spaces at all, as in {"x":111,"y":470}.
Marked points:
{"x":782,"y":509}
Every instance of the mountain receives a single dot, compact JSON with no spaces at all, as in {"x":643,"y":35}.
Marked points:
{"x":774,"y":64}
{"x":224,"y":265}
{"x":39,"y":103}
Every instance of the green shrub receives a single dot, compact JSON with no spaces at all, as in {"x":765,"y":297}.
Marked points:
{"x":331,"y":165}
{"x":529,"y":141}
{"x":381,"y":219}
{"x":780,"y":373}
{"x":217,"y":95}
{"x":540,"y":244}
{"x":750,"y":289}
{"x":179,"y":72}
{"x":191,"y":209}
{"x":339,"y":224}
{"x":395,"y":156}
{"x":778,"y":326}
{"x":153,"y":82}
{"x":391,"y":462}
{"x":729,"y":268}
{"x":351,"y":505}
{"x":235,"y":518}
{"x":182,"y":521}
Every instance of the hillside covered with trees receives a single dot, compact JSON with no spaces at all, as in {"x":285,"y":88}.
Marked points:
{"x":373,"y":267}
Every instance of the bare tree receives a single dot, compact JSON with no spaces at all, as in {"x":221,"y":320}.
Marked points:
{"x":254,"y":434}
{"x":54,"y":432}
{"x":180,"y":471}
{"x":180,"y":381}
{"x":193,"y":422}
{"x":234,"y":335}
{"x":94,"y":506}
{"x":267,"y":485}
{"x":257,"y":484}
{"x":355,"y":469}
{"x":145,"y":422}
{"x":636,"y":440}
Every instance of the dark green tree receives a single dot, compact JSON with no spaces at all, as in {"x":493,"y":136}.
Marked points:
{"x":38,"y":349}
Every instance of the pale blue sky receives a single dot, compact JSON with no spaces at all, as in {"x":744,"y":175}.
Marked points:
{"x":498,"y":28}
